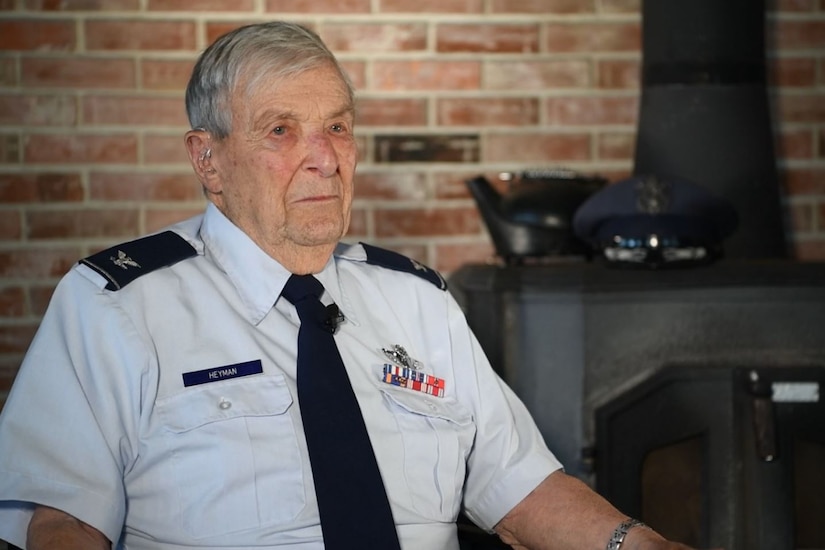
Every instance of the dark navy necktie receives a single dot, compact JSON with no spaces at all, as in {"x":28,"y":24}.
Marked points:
{"x":355,"y":511}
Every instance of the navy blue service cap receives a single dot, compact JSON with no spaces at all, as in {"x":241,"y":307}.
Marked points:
{"x":654,"y":220}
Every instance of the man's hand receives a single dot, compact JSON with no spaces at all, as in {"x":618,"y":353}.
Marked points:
{"x":51,"y":529}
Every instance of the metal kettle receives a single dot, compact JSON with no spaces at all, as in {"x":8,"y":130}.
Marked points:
{"x":533,"y":219}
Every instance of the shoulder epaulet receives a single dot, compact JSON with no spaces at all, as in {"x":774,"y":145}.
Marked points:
{"x":124,"y":263}
{"x":399,"y":262}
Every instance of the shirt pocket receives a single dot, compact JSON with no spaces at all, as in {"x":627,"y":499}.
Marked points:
{"x":437,"y":434}
{"x":236,"y":457}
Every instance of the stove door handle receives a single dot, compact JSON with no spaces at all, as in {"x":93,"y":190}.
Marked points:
{"x":764,"y":417}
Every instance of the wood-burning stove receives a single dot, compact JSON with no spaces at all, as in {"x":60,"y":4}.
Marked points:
{"x":641,"y":382}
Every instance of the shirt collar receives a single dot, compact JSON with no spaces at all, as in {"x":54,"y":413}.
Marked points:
{"x":257,"y":277}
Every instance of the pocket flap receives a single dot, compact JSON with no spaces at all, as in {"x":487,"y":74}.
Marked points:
{"x":426,"y":405}
{"x":264,"y":395}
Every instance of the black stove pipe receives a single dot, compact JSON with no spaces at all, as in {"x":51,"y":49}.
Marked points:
{"x":704,"y":112}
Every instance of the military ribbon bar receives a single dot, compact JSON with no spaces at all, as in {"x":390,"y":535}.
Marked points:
{"x":406,"y":377}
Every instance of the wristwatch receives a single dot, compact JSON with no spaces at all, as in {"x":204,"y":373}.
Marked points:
{"x":618,"y":536}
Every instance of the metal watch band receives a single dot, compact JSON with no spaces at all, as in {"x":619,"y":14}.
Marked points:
{"x":617,"y":538}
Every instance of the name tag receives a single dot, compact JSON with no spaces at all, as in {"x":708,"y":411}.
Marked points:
{"x":222,"y":373}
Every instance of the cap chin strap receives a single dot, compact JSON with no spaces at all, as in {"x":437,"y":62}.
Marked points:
{"x":656,"y":251}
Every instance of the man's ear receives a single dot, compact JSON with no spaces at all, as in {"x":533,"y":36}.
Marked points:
{"x":199,"y":146}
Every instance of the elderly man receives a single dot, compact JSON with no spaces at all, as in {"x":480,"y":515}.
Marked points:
{"x":245,"y":381}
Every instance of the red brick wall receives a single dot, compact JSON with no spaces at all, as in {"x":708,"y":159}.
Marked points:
{"x":92,"y":117}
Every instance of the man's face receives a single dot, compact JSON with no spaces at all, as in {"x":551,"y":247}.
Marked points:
{"x":284,"y":174}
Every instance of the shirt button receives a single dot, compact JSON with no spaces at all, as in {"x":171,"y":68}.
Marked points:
{"x":224,"y":404}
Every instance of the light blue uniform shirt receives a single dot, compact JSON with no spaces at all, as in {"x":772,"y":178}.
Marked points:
{"x":101,"y":424}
